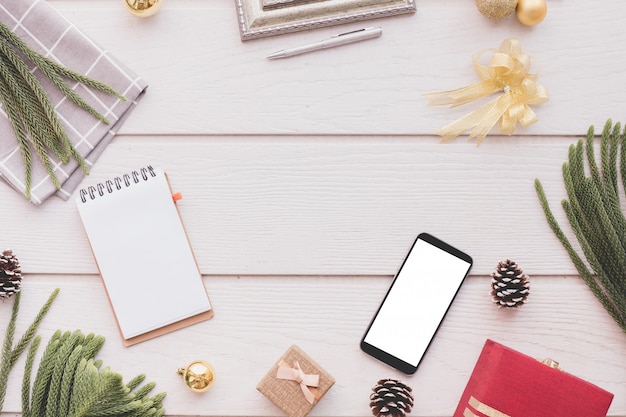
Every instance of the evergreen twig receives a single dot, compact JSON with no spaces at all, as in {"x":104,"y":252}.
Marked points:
{"x":11,"y":353}
{"x":595,"y":216}
{"x":19,"y":129}
{"x":53,"y":66}
{"x":70,"y":382}
{"x":29,"y":109}
{"x":30,"y":361}
{"x":44,"y":373}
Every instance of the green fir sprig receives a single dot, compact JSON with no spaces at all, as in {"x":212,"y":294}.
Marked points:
{"x":595,"y":216}
{"x":11,"y":353}
{"x":29,"y":109}
{"x":71,"y":382}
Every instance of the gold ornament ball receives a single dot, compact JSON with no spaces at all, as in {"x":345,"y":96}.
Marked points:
{"x":143,"y":8}
{"x":531,"y":12}
{"x":198,"y":376}
{"x":496,"y":9}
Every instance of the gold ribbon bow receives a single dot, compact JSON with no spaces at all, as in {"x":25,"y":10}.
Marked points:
{"x":509,"y":73}
{"x":296,"y":374}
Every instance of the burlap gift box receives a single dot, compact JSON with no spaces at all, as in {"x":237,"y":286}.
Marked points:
{"x":288,"y":394}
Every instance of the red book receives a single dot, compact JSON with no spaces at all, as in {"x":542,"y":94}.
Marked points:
{"x":506,"y":383}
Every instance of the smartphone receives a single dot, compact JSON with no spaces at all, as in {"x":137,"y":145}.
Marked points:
{"x":416,"y":303}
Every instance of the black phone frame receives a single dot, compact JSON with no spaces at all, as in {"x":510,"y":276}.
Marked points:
{"x":394,"y":361}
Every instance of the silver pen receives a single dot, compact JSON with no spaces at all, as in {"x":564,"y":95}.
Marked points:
{"x":341,"y":39}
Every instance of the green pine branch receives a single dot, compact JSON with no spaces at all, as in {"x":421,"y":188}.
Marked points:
{"x":595,"y":216}
{"x":29,"y":109}
{"x":11,"y":353}
{"x":30,"y":360}
{"x":71,"y":382}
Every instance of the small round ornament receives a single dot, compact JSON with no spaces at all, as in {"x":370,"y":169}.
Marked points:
{"x":496,"y":9}
{"x":531,"y":12}
{"x":143,"y":8}
{"x":198,"y":376}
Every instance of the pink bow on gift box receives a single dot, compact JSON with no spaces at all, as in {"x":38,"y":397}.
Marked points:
{"x":306,"y":381}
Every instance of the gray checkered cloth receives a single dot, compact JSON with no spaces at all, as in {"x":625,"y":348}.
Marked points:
{"x":48,"y":32}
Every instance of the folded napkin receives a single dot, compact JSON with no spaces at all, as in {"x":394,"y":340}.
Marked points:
{"x":48,"y":32}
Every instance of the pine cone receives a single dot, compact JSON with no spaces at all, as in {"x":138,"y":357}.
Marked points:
{"x":391,"y":398}
{"x":10,"y":274}
{"x":509,"y":285}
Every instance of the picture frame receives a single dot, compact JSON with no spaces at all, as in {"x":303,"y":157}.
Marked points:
{"x":262,"y":18}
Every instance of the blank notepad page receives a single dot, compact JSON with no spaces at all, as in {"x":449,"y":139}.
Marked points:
{"x":142,"y":251}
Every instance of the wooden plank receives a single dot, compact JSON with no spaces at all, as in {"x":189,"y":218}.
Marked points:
{"x":257,"y":318}
{"x":203,"y":79}
{"x":324,"y":205}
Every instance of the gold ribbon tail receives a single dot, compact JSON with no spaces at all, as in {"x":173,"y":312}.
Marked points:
{"x":463,"y":95}
{"x":499,"y":107}
{"x":480,"y":120}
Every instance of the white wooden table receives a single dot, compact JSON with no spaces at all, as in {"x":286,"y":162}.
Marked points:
{"x":305,"y":180}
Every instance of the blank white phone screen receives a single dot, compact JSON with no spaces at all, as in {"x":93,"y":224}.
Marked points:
{"x":417,"y":302}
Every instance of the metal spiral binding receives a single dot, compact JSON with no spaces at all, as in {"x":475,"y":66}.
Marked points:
{"x":109,"y":186}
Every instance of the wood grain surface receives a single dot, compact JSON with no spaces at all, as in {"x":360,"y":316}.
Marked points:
{"x":304,"y":182}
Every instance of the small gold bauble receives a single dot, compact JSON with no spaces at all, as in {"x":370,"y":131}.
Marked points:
{"x":198,"y":376}
{"x":496,"y":9}
{"x":531,"y":12}
{"x":143,"y":8}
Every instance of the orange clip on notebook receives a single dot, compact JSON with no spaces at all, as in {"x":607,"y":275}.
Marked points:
{"x":143,"y":255}
{"x":506,"y":383}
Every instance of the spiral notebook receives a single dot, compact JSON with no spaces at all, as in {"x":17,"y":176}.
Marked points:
{"x":143,"y":254}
